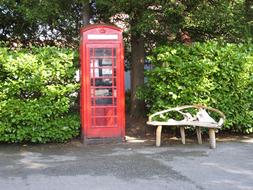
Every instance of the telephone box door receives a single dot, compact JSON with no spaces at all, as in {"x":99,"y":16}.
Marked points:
{"x":103,"y":83}
{"x":103,"y":91}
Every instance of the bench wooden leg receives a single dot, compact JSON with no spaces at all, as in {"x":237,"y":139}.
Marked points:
{"x":212,"y":138}
{"x":158,"y":135}
{"x":199,"y":136}
{"x":182,"y":135}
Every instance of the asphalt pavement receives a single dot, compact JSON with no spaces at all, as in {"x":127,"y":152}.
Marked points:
{"x":136,"y":165}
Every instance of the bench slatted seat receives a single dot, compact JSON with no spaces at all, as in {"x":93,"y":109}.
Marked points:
{"x":201,"y":120}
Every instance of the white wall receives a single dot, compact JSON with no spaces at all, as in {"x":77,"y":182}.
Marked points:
{"x":127,"y":80}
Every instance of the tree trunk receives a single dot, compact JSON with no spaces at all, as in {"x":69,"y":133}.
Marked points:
{"x":86,"y":13}
{"x":248,"y":7}
{"x":248,"y":10}
{"x":137,"y":74}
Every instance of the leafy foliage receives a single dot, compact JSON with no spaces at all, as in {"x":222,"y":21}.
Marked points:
{"x":47,"y":21}
{"x":219,"y":75}
{"x":229,"y":20}
{"x":37,"y":88}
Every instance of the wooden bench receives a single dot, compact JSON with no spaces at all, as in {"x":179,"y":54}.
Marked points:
{"x":201,"y":120}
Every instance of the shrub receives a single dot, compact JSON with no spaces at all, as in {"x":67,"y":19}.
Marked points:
{"x":215,"y":74}
{"x":37,"y":89}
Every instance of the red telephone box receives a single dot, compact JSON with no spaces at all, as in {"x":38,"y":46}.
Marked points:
{"x":102,"y":83}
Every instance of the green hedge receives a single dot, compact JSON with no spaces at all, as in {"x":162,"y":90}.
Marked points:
{"x":37,"y":90}
{"x":216,"y":74}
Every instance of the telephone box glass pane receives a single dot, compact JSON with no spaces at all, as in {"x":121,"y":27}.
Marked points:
{"x":101,"y":72}
{"x":99,"y":62}
{"x":102,"y":92}
{"x":103,"y":52}
{"x":105,"y":121}
{"x":103,"y":82}
{"x":106,"y":111}
{"x":103,"y":101}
